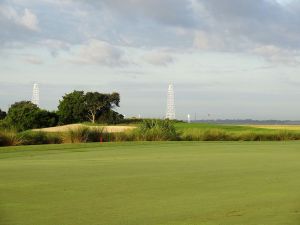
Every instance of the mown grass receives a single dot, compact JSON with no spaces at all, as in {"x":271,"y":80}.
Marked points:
{"x":151,"y":183}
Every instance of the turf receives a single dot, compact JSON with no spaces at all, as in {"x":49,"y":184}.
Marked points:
{"x":151,"y":184}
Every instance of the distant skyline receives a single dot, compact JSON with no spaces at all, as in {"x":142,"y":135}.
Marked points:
{"x":229,"y":59}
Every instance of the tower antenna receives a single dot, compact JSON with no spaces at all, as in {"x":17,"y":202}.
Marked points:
{"x":170,"y":103}
{"x":35,"y":94}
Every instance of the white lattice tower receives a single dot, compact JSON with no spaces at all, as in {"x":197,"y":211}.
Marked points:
{"x":170,"y":104}
{"x":35,"y":94}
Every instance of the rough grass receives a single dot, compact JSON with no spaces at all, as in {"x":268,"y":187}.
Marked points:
{"x":9,"y":138}
{"x":217,"y":132}
{"x":174,"y":183}
{"x":278,"y":127}
{"x":150,"y":130}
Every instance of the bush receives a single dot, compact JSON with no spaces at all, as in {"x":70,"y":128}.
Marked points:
{"x":39,"y":138}
{"x":5,"y":125}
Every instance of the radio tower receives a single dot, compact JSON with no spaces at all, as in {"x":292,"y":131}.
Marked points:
{"x":35,"y":94}
{"x":170,"y":103}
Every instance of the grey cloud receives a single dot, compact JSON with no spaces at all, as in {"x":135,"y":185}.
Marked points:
{"x":260,"y":21}
{"x":169,"y":12}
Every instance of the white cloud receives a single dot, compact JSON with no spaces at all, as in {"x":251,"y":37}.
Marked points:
{"x":101,"y":53}
{"x":26,"y":19}
{"x":29,"y":20}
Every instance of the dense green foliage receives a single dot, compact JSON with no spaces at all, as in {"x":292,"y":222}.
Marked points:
{"x":25,"y":115}
{"x":78,"y":107}
{"x":98,"y":103}
{"x":2,"y":114}
{"x":71,"y":108}
{"x":172,"y":183}
{"x":109,"y":117}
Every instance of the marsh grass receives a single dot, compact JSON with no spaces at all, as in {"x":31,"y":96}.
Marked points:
{"x":149,"y":130}
{"x":214,"y":134}
{"x":156,"y":130}
{"x":39,"y":138}
{"x":9,"y":138}
{"x":85,"y":134}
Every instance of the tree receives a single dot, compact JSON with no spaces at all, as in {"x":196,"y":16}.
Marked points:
{"x":44,"y":118}
{"x":71,"y":108}
{"x":78,"y":107}
{"x":2,"y":114}
{"x":97,"y":103}
{"x":110,"y":117}
{"x":25,"y":115}
{"x":21,"y":115}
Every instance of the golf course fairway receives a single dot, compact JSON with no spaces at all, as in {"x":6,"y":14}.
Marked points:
{"x":153,"y":183}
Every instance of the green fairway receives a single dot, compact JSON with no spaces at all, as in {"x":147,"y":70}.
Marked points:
{"x":167,"y":183}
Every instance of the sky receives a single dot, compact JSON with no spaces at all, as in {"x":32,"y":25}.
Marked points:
{"x":227,"y":59}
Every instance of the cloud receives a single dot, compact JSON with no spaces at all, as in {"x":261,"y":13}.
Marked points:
{"x":55,"y":46}
{"x":99,"y":52}
{"x":207,"y":41}
{"x":277,"y":55}
{"x":169,"y":12}
{"x":158,"y":58}
{"x":27,"y":19}
{"x":212,"y":25}
{"x":33,"y":60}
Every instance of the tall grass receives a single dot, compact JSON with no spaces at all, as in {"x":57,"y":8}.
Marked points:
{"x":148,"y":130}
{"x":39,"y":138}
{"x":156,"y":130}
{"x":227,"y":135}
{"x":85,"y":134}
{"x":9,"y":138}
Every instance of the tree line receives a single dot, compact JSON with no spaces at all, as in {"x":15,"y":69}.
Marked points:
{"x":74,"y":107}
